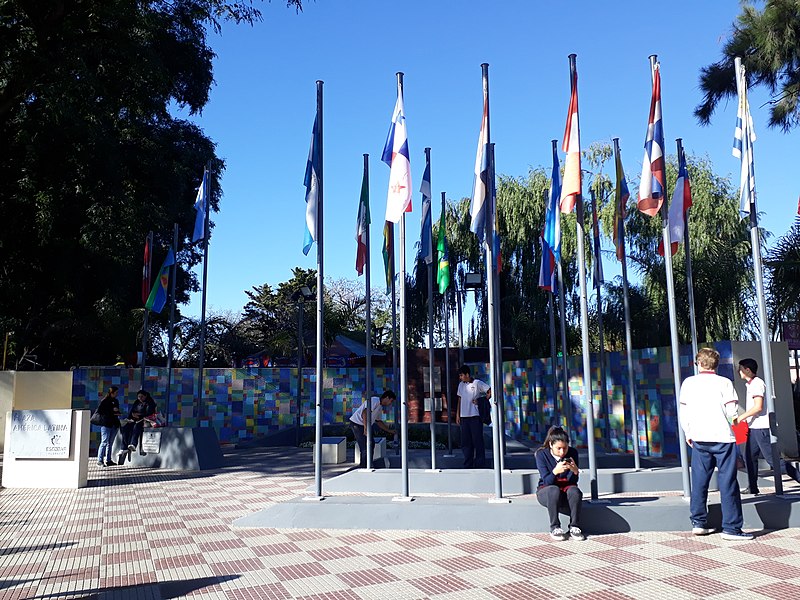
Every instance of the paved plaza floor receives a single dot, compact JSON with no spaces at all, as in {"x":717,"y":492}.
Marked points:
{"x":151,"y":534}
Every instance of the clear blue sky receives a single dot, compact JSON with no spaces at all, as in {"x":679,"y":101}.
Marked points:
{"x":262,"y":109}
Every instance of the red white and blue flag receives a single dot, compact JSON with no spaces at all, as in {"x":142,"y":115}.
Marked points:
{"x":571,"y":190}
{"x":652,"y":183}
{"x":681,"y":201}
{"x":426,"y":235}
{"x":396,"y":155}
{"x":551,"y":233}
{"x":478,"y":206}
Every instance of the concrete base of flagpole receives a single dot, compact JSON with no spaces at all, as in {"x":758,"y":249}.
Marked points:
{"x":313,"y":498}
{"x":403,"y":499}
{"x":499,"y":500}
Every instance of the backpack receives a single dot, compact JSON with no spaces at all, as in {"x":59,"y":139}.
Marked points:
{"x":484,"y":410}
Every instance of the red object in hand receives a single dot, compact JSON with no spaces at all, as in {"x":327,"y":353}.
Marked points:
{"x":740,"y":431}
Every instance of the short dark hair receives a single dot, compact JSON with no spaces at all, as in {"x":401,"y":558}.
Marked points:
{"x":113,"y":389}
{"x":749,"y":363}
{"x":464,"y":370}
{"x":388,"y":394}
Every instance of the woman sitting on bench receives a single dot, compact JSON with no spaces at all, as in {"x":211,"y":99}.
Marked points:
{"x":142,"y":409}
{"x":558,"y":483}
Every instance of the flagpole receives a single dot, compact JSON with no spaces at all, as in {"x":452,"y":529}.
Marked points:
{"x":369,"y":323}
{"x":673,"y":324}
{"x":320,"y":305}
{"x":602,"y":354}
{"x":145,"y":324}
{"x":766,"y":352}
{"x":687,"y":250}
{"x":491,"y":267}
{"x":498,"y":333}
{"x":171,"y":321}
{"x":447,"y":367}
{"x":553,"y":357}
{"x":566,"y":399}
{"x":431,"y":386}
{"x":202,"y":353}
{"x":628,"y":339}
{"x":395,"y":372}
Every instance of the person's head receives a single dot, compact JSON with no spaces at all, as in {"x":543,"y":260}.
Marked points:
{"x":707,"y":359}
{"x":387,"y":398}
{"x":141,"y":395}
{"x":557,"y":441}
{"x":464,"y":374}
{"x":113,"y":391}
{"x":748,"y":368}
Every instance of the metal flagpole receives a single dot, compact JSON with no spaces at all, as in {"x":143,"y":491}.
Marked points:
{"x":395,"y":372}
{"x":447,"y":394}
{"x":687,"y":250}
{"x":202,"y":357}
{"x":498,"y":333}
{"x":628,"y":336}
{"x":566,"y":399}
{"x":553,"y":356}
{"x":601,"y":356}
{"x":320,"y":306}
{"x":171,"y":343}
{"x":460,"y":327}
{"x":673,"y":325}
{"x":145,"y":324}
{"x":755,"y":242}
{"x":369,"y":324}
{"x":497,"y":388}
{"x":301,"y":307}
{"x":431,"y":386}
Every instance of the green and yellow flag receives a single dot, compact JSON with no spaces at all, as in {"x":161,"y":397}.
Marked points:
{"x":443,"y":271}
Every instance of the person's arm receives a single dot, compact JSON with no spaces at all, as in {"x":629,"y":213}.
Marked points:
{"x":384,"y":426}
{"x":685,"y":420}
{"x":758,"y":406}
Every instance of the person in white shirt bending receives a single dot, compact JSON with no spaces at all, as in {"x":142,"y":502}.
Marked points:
{"x":708,"y":404}
{"x":360,"y":429}
{"x":468,"y":417}
{"x":757,"y":419}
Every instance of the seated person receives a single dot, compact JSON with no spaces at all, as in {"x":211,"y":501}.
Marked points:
{"x":558,"y":483}
{"x":144,"y":406}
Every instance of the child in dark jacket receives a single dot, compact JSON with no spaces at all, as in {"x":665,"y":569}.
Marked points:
{"x":558,"y":483}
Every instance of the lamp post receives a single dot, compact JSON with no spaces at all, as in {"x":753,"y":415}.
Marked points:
{"x":300,"y":296}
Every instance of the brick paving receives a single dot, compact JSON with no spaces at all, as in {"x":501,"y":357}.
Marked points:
{"x":150,"y":534}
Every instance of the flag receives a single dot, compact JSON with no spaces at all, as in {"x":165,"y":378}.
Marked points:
{"x":477,"y":209}
{"x":426,"y":236}
{"x":395,"y":154}
{"x":443,"y":271}
{"x":146,"y":268}
{"x":571,"y":190}
{"x":311,"y":181}
{"x":201,"y":206}
{"x":621,"y":197}
{"x":552,"y":215}
{"x":743,"y":137}
{"x":388,"y":254}
{"x":597,"y":264}
{"x":158,"y":296}
{"x":681,"y":201}
{"x":651,"y":183}
{"x":547,"y":269}
{"x":361,"y":226}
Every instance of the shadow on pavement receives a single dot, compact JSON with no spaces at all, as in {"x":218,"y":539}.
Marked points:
{"x":164,"y":589}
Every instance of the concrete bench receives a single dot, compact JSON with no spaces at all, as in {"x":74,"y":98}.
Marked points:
{"x":334,"y":450}
{"x":378,"y":456}
{"x":182,"y":448}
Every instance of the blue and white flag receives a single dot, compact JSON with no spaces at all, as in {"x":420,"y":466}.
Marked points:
{"x":311,"y":182}
{"x":395,"y":154}
{"x":426,"y":236}
{"x":478,"y":206}
{"x":201,"y":206}
{"x":743,"y":137}
{"x":551,"y":233}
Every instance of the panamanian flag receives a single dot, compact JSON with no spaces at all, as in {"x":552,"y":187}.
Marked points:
{"x":395,"y":154}
{"x":681,"y":201}
{"x":651,"y":183}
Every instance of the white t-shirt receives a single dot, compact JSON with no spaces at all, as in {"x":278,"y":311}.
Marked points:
{"x":708,"y":405}
{"x":468,"y":392}
{"x":757,"y":387}
{"x":358,"y":414}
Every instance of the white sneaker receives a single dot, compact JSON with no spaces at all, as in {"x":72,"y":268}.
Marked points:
{"x":576,"y":534}
{"x":702,"y":530}
{"x":558,"y":535}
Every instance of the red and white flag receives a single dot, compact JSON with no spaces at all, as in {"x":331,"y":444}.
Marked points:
{"x":571,"y":185}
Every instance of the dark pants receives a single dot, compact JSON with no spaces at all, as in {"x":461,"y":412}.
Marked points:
{"x":361,"y":440}
{"x":706,"y":456}
{"x":758,"y":444}
{"x":472,"y":443}
{"x":567,"y":499}
{"x":131,"y":432}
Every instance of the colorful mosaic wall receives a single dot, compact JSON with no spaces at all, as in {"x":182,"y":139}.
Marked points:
{"x":243,"y":404}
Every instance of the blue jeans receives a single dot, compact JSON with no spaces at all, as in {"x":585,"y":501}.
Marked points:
{"x":107,"y":435}
{"x":472,"y":443}
{"x":706,"y":456}
{"x":758,"y":443}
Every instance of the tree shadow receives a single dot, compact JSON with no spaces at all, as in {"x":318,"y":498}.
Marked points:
{"x":20,"y":549}
{"x":164,"y":589}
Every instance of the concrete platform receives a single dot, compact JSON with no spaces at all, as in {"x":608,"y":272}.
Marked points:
{"x":182,"y":448}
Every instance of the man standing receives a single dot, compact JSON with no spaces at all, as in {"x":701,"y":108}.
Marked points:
{"x":756,"y":417}
{"x":469,"y":390}
{"x":360,"y":428}
{"x":708,"y":405}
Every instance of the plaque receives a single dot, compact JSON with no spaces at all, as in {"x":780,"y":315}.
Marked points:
{"x":41,"y":433}
{"x":151,"y":442}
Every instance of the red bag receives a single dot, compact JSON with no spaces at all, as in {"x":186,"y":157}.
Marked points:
{"x":740,"y":431}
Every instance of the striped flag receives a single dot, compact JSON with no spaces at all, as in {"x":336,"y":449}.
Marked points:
{"x":620,"y":209}
{"x":311,"y":181}
{"x":550,"y":239}
{"x":477,"y":209}
{"x":681,"y":201}
{"x":201,"y":206}
{"x":547,"y":269}
{"x":158,"y":296}
{"x":426,"y":235}
{"x":443,"y":270}
{"x":362,"y":224}
{"x":743,"y":137}
{"x":388,"y":254}
{"x":395,"y":154}
{"x":597,"y":264}
{"x":571,"y":189}
{"x":146,"y":268}
{"x":652,"y":183}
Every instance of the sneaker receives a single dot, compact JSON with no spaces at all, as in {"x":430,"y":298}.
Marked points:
{"x":100,"y":464}
{"x":737,"y":536}
{"x":111,"y":463}
{"x":753,"y":492}
{"x":558,"y":535}
{"x":576,"y":534}
{"x":702,"y":530}
{"x":131,"y":447}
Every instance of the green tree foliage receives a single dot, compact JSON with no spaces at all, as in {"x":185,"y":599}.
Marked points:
{"x":783,"y":278}
{"x":92,"y":159}
{"x":767,"y":42}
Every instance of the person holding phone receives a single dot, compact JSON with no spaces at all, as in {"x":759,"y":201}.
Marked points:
{"x":558,"y":484}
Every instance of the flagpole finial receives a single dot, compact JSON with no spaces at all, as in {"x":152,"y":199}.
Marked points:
{"x":428,"y":153}
{"x":555,"y":145}
{"x":484,"y":65}
{"x":616,"y":145}
{"x":320,"y":82}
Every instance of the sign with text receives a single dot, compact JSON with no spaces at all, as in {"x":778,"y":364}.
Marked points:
{"x":791,"y":333}
{"x":41,"y":433}
{"x":151,"y":442}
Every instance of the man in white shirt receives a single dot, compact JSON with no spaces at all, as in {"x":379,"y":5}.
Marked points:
{"x":360,"y":429}
{"x":708,"y":404}
{"x":757,"y":419}
{"x":468,"y":417}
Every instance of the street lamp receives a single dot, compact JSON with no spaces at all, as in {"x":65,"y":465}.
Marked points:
{"x":300,"y":296}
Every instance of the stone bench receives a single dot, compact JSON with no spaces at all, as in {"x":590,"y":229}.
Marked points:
{"x":183,"y":448}
{"x":334,"y":450}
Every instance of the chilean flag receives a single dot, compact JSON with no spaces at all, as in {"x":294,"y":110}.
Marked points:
{"x":651,"y":183}
{"x":681,"y":201}
{"x":395,"y":154}
{"x":571,"y":189}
